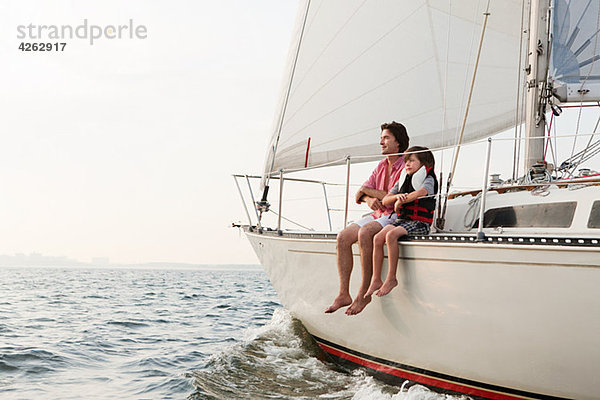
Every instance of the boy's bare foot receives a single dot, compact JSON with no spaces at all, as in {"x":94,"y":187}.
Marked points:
{"x":359,"y":303}
{"x":387,"y":287}
{"x":373,"y":288}
{"x":339,"y":302}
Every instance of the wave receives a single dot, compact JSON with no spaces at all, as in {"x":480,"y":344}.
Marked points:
{"x":128,"y":324}
{"x":281,"y":360}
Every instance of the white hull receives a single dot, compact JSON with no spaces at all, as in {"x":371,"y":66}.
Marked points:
{"x":487,"y":319}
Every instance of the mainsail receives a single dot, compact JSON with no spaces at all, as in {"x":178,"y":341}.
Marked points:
{"x":358,"y":63}
{"x":575,"y":68}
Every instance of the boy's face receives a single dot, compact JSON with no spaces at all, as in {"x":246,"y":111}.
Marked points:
{"x":412,"y":164}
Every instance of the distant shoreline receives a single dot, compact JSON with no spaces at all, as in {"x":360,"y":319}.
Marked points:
{"x":151,"y":266}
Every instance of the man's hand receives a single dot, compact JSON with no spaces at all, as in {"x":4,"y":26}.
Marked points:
{"x":359,"y":196}
{"x":374,"y":203}
{"x":365,"y":192}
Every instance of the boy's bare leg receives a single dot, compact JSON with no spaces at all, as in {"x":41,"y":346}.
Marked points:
{"x":378,"y":243}
{"x":345,"y":239}
{"x":392,"y":245}
{"x":365,"y":243}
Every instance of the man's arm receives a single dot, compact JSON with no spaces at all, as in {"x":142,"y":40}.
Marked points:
{"x":371,"y":197}
{"x":367,"y":188}
{"x":365,"y":192}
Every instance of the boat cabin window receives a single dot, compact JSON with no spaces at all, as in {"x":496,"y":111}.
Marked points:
{"x":594,"y":221}
{"x":547,"y":215}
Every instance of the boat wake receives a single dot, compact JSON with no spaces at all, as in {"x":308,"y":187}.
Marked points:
{"x":280,"y":360}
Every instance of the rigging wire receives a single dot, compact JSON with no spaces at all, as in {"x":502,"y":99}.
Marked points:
{"x":439,"y":221}
{"x":521,"y":126}
{"x":464,"y":123}
{"x":375,"y":157}
{"x":584,"y":154}
{"x":595,"y":128}
{"x":548,"y":141}
{"x":460,"y":111}
{"x":591,"y":67}
{"x":516,"y":146}
{"x":292,"y":222}
{"x":445,"y":92}
{"x":554,"y":147}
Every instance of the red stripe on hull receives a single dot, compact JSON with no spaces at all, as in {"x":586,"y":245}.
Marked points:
{"x":426,"y":380}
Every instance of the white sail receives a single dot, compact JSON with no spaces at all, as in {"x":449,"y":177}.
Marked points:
{"x":358,"y":63}
{"x":575,"y":66}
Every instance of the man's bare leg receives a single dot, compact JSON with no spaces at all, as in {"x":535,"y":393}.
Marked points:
{"x":345,"y":239}
{"x":392,"y":244}
{"x":365,"y":243}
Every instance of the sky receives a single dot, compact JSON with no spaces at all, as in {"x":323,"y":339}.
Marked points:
{"x":124,"y":148}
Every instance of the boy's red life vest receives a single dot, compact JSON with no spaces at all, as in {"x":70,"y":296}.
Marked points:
{"x":421,"y":209}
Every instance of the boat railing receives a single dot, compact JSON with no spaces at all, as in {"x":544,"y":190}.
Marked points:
{"x":281,"y":178}
{"x":283,"y":175}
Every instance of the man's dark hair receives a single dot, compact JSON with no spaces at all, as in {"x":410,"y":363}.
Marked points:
{"x":424,"y":155}
{"x":399,"y":132}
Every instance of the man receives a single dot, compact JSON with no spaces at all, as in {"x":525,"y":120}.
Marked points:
{"x":394,"y":140}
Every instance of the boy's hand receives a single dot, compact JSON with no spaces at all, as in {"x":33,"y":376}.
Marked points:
{"x":397,"y":206}
{"x":402,"y":197}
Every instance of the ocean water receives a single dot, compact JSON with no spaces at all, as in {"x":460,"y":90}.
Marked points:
{"x":68,"y":333}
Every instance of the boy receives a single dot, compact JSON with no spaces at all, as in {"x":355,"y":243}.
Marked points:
{"x":413,"y":200}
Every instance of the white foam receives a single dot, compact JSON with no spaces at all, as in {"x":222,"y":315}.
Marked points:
{"x":276,"y":346}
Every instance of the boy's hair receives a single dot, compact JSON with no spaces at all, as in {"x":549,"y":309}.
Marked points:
{"x":424,"y":155}
{"x":399,"y":132}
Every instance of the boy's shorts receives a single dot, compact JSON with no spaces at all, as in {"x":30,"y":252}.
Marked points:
{"x":383,"y":220}
{"x":413,"y":227}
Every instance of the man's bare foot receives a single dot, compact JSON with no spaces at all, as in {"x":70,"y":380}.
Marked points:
{"x":339,"y":302}
{"x":387,"y":287}
{"x":359,"y":303}
{"x":375,"y":284}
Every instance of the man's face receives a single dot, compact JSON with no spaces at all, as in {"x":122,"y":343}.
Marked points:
{"x":388,"y":143}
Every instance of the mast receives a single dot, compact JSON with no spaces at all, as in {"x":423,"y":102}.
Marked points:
{"x":537,"y":72}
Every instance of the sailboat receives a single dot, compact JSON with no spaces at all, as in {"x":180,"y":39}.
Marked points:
{"x":500,"y":300}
